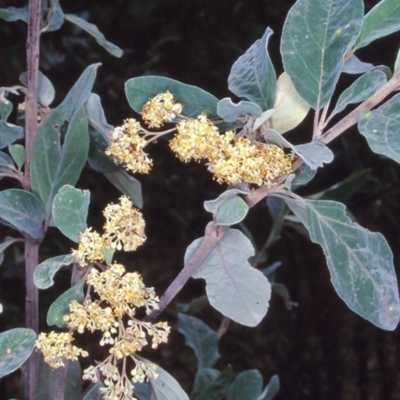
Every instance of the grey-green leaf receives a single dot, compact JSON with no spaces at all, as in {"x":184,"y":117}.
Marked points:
{"x":53,"y":165}
{"x":381,"y":128}
{"x":16,"y":345}
{"x":354,"y":65}
{"x":212,"y":206}
{"x":247,"y":385}
{"x":382,"y":20}
{"x":271,"y":390}
{"x":211,"y":384}
{"x":6,"y":108}
{"x":194,"y":99}
{"x":230,"y":111}
{"x":46,"y":91}
{"x":23,"y":210}
{"x":9,"y":133}
{"x":45,"y":271}
{"x":94,"y":394}
{"x":12,"y":14}
{"x":234,"y":287}
{"x":232,"y":211}
{"x":364,"y":87}
{"x":17,"y":152}
{"x":94,"y":31}
{"x":54,"y":17}
{"x":128,"y":185}
{"x":70,"y":211}
{"x":61,"y":306}
{"x":360,"y":263}
{"x":6,"y":163}
{"x":315,"y":38}
{"x":253,"y":76}
{"x":201,"y":338}
{"x":304,"y":174}
{"x":165,"y":387}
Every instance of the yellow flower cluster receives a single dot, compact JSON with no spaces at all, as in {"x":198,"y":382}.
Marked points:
{"x":124,"y":228}
{"x":57,"y":347}
{"x":231,"y":160}
{"x":127,"y":146}
{"x":159,"y":109}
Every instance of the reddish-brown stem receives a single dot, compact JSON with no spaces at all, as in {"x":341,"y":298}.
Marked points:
{"x":31,"y":245}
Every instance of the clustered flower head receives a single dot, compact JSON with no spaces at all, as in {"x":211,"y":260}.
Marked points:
{"x":159,"y":109}
{"x":57,"y":347}
{"x":231,"y":160}
{"x":124,"y":229}
{"x":126,"y":147}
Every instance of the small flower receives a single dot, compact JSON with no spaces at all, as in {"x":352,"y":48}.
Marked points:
{"x":124,"y":227}
{"x":159,"y":109}
{"x":56,"y":347}
{"x":127,"y":146}
{"x":90,"y":248}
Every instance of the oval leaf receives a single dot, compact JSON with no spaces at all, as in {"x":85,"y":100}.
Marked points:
{"x":271,"y":390}
{"x":253,"y":76}
{"x":247,"y":385}
{"x":194,"y":99}
{"x":211,"y":384}
{"x":355,"y":66}
{"x":61,"y":306}
{"x":315,"y":38}
{"x":45,"y":271}
{"x":70,"y":211}
{"x":23,"y":210}
{"x":17,"y":152}
{"x":360,"y":263}
{"x":232,"y":211}
{"x":94,"y":31}
{"x":364,"y":87}
{"x":12,"y":14}
{"x":230,"y":111}
{"x":212,"y":206}
{"x":9,"y":133}
{"x":234,"y":287}
{"x":381,"y":128}
{"x":16,"y":345}
{"x":46,"y":91}
{"x":382,"y":20}
{"x":201,"y":338}
{"x":290,"y":108}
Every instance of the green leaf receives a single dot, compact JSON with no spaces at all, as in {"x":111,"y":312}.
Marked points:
{"x":361,"y":89}
{"x":97,"y":158}
{"x":94,"y":31}
{"x":23,"y":210}
{"x":360,"y":263}
{"x":194,"y":99}
{"x":54,"y":17}
{"x":211,"y":384}
{"x":230,"y":111}
{"x":247,"y":385}
{"x":382,"y":20}
{"x":201,"y":338}
{"x":46,"y":91}
{"x":47,"y":380}
{"x":232,"y":211}
{"x":61,"y":306}
{"x":128,"y":185}
{"x":17,"y":152}
{"x":70,"y":211}
{"x":45,"y":271}
{"x":165,"y":387}
{"x":94,"y":394}
{"x":12,"y":14}
{"x":53,"y":165}
{"x":271,"y":390}
{"x":315,"y":154}
{"x":315,"y":38}
{"x":5,"y":108}
{"x":212,"y":206}
{"x":381,"y":128}
{"x":6,"y":163}
{"x":234,"y":287}
{"x":355,"y":66}
{"x":9,"y":133}
{"x":304,"y":174}
{"x":253,"y":76}
{"x":16,"y":345}
{"x":78,"y":94}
